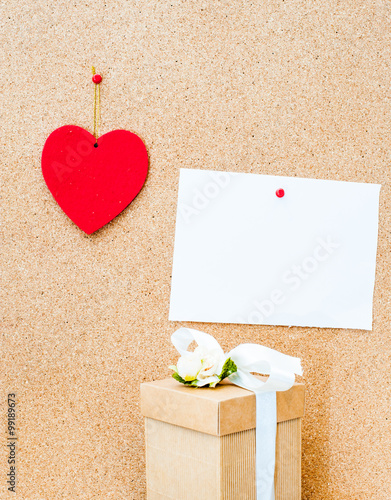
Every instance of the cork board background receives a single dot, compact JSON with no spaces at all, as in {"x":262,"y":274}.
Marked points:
{"x":270,"y":86}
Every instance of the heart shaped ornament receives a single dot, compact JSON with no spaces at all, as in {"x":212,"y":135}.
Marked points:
{"x":93,"y":181}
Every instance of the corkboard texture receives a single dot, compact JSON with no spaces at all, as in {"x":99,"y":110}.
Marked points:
{"x":279,"y":87}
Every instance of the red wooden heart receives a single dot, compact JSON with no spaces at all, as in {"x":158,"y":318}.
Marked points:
{"x":92,"y":184}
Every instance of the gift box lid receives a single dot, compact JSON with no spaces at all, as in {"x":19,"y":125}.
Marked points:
{"x":223,"y":410}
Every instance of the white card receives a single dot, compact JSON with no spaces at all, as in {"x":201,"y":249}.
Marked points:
{"x":244,"y":255}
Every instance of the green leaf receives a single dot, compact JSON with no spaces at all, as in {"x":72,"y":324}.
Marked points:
{"x":177,"y":377}
{"x":229,"y":368}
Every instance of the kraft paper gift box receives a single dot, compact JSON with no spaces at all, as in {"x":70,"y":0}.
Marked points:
{"x":200,"y":442}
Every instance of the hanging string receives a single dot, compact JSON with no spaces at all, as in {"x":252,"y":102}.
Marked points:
{"x":96,"y":79}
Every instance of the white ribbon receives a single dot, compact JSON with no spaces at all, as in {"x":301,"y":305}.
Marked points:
{"x":254,"y":358}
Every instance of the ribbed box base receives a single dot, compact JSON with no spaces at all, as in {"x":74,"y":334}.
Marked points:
{"x":183,"y":464}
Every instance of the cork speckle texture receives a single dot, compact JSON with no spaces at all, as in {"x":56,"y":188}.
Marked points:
{"x":274,"y":87}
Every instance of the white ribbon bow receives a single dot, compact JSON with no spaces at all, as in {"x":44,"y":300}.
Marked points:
{"x":254,"y":358}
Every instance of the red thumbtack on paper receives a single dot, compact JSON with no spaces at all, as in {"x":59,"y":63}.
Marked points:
{"x":280,"y":193}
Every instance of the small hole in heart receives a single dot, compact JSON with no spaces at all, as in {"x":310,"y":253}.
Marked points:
{"x":96,"y":145}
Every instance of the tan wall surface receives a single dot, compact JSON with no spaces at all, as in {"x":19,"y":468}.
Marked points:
{"x":270,"y":86}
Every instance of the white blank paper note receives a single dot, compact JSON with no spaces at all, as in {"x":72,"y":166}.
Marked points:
{"x":244,"y":255}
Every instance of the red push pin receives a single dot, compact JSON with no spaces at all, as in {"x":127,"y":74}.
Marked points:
{"x":97,"y":78}
{"x":280,"y":193}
